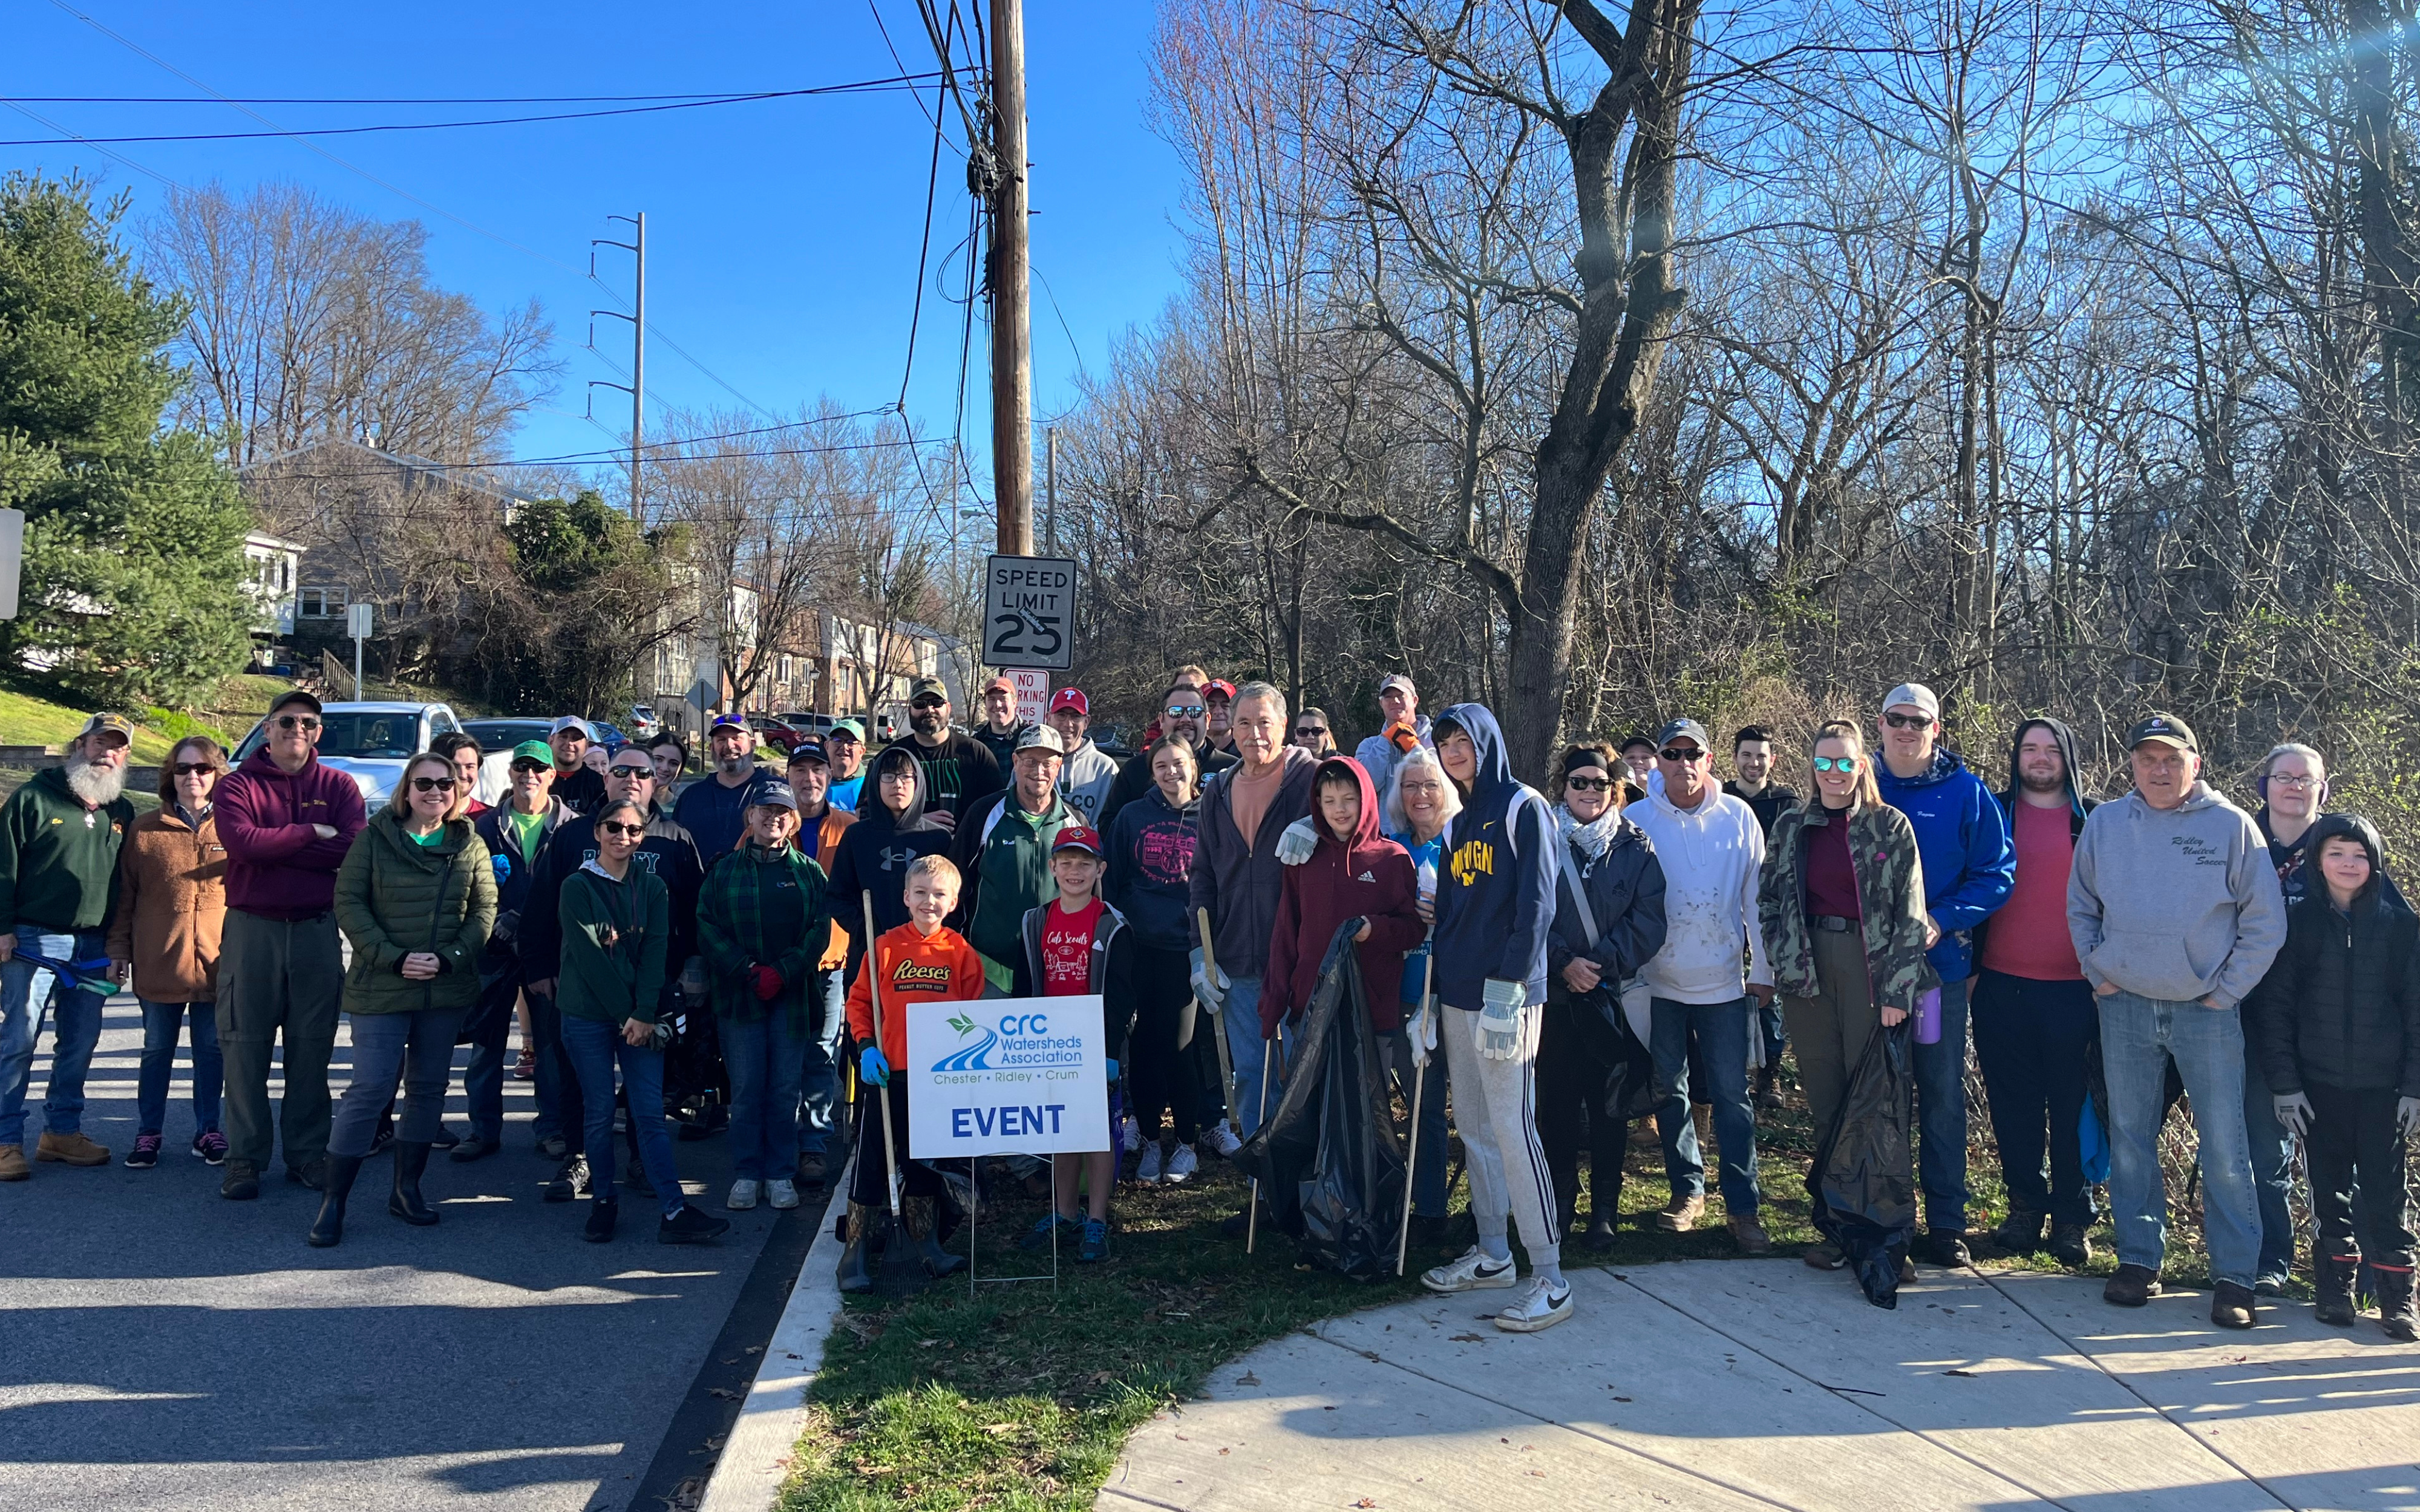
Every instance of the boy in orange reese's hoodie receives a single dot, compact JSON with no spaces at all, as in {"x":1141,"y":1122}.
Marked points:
{"x":919,"y":964}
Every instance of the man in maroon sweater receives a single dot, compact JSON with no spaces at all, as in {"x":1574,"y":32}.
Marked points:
{"x":287,"y":822}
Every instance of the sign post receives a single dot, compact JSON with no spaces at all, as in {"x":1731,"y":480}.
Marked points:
{"x":1032,"y":694}
{"x":1029,"y":612}
{"x":12,"y":559}
{"x":358,"y":625}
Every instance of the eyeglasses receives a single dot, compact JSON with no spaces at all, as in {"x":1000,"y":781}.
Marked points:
{"x":293,"y":721}
{"x":616,"y":826}
{"x":192,"y":768}
{"x":432,"y":784}
{"x":1187,"y":711}
{"x":522,"y":766}
{"x":2274,"y":781}
{"x":1680,"y":754}
{"x":1836,"y":763}
{"x":1908,"y":721}
{"x":1588,"y":785}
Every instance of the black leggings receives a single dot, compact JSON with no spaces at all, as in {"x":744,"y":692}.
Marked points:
{"x":1572,"y":1068}
{"x":1159,"y":1075}
{"x":872,"y":1187}
{"x":2354,"y":1154}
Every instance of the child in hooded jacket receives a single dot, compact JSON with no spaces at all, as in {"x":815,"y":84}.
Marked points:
{"x":1353,"y":872}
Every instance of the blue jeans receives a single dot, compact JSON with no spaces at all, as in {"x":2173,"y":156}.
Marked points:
{"x":765,"y":1058}
{"x":1769,"y":1027}
{"x":161,"y":1021}
{"x":594,"y":1048}
{"x":1241,"y":1008}
{"x":2272,"y":1169}
{"x":1721,"y":1031}
{"x":1941,"y":1115}
{"x":26,"y":991}
{"x":819,"y":1073}
{"x":2139,"y":1036}
{"x":554,"y":1077}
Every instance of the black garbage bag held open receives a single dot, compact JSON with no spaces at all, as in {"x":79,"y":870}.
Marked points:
{"x":1328,"y":1160}
{"x":1629,"y":1092}
{"x":1863,"y":1181}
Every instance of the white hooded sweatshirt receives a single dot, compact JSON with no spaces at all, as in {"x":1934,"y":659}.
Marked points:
{"x":1711,"y":854}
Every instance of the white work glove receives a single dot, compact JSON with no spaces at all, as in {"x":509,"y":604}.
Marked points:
{"x":2406,"y":1114}
{"x":1209,"y":982}
{"x":1300,"y":838}
{"x":1498,"y":1031}
{"x":1421,"y":1032}
{"x":2293,"y":1110}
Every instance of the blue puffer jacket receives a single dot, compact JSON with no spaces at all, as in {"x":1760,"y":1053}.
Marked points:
{"x":1496,"y":891}
{"x":1970,"y":858}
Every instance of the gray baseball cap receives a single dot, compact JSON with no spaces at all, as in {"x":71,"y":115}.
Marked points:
{"x":1689,"y":728}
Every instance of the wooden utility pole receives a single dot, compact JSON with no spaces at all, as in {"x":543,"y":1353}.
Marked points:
{"x":1012,"y":346}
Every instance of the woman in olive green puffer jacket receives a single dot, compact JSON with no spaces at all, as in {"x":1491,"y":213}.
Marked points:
{"x":416,"y":900}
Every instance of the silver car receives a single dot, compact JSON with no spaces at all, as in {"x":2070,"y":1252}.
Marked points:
{"x":370,"y":742}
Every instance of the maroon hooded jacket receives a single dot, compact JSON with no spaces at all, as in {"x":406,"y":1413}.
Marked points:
{"x":277,"y":865}
{"x":1371,"y":878}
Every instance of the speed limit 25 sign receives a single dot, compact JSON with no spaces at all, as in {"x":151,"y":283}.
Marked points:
{"x":1029,"y":612}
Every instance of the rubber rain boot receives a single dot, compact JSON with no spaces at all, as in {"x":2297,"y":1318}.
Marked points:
{"x":854,"y":1276}
{"x":917,"y":1214}
{"x":328,"y":1228}
{"x":411,"y":1160}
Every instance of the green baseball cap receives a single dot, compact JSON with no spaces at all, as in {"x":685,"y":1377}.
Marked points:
{"x":851,"y":728}
{"x":536,"y":750}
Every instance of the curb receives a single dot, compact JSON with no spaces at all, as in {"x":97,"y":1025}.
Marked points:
{"x":755,"y":1458}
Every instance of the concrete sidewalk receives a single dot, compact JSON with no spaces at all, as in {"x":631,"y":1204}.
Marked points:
{"x":1736,"y":1384}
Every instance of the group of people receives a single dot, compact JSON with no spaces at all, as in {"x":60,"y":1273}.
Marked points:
{"x":723,"y":955}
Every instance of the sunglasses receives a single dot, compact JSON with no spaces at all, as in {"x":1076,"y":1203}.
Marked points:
{"x":616,"y":826}
{"x":522,"y":766}
{"x":1836,"y":763}
{"x":1588,"y":785}
{"x":928,"y":703}
{"x":1311,"y":729}
{"x":192,"y":768}
{"x":624,"y":770}
{"x":1908,"y":721}
{"x":1186,"y":710}
{"x":291,"y":721}
{"x":1683,"y":756}
{"x":432,"y":784}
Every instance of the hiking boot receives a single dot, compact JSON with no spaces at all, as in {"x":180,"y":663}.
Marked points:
{"x":2332,"y":1289}
{"x":813,"y":1168}
{"x":210,"y":1147}
{"x":602,"y":1212}
{"x":2020,"y":1232}
{"x":1945,"y":1248}
{"x":1768,"y":1089}
{"x":12,"y":1163}
{"x":1681,"y":1214}
{"x":2396,"y":1312}
{"x":1541,"y":1304}
{"x":70,"y":1148}
{"x":1471,"y":1271}
{"x":854,"y":1276}
{"x":327,"y":1228}
{"x":690,"y":1227}
{"x":145,"y":1152}
{"x":2232,"y":1307}
{"x":570,"y":1180}
{"x":241,"y":1182}
{"x":2132,"y":1287}
{"x":2069,"y":1246}
{"x":1824,"y":1256}
{"x":1181,"y":1167}
{"x":404,"y":1202}
{"x":1750,"y":1235}
{"x":1094,"y":1246}
{"x":742,"y":1195}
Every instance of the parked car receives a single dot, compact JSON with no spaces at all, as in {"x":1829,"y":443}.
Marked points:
{"x":817,"y":725}
{"x":608,"y":737}
{"x":643,"y":723}
{"x":776,"y":732}
{"x":371,"y":742}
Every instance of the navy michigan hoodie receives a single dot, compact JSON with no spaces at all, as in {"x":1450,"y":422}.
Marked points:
{"x":1495,"y":887}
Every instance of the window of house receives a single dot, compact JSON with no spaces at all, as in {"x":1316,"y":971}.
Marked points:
{"x":324,"y":603}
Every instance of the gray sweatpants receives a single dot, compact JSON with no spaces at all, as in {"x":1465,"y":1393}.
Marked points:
{"x":1496,"y":1107}
{"x":417,"y":1047}
{"x":278,"y":977}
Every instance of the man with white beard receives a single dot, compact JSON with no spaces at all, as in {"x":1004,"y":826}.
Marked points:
{"x":59,"y":839}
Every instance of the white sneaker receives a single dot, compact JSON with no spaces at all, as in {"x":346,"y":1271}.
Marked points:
{"x":1182,"y":1164}
{"x":1539,"y":1304}
{"x":1130,"y":1133}
{"x":1147,"y":1172}
{"x":1224,"y":1140}
{"x":781,"y":1191}
{"x":1472,"y":1271}
{"x":743,"y":1195}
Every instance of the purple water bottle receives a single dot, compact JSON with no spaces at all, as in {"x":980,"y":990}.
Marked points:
{"x":1928,"y":1017}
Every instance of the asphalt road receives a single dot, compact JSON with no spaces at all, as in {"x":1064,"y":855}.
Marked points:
{"x":163,"y":1347}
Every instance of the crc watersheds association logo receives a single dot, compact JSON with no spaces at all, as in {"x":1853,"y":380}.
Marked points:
{"x":1020,"y":1041}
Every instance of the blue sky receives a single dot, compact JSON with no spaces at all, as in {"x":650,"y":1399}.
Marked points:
{"x":782,"y":236}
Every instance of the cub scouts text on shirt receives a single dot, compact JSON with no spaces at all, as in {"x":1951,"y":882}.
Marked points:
{"x":1005,"y":1076}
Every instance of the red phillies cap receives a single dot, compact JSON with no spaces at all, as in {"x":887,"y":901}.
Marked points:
{"x":1077,"y":837}
{"x":1220,"y":686}
{"x":1071,"y":698}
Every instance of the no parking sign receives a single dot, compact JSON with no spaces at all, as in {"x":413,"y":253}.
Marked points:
{"x":1007,"y":1076}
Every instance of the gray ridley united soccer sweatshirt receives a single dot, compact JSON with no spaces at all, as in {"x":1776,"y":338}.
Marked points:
{"x":2177,"y":905}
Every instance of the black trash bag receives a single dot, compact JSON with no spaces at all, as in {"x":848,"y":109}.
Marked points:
{"x":1328,"y":1160}
{"x":1863,"y":1181}
{"x":1629,"y":1093}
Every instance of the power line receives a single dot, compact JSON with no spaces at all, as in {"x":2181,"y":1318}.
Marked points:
{"x":436,"y":100}
{"x":860,"y":86}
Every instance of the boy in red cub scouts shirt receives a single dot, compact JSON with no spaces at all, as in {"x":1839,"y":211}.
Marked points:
{"x":921,"y":964}
{"x":1075,"y":947}
{"x":1355,"y":872}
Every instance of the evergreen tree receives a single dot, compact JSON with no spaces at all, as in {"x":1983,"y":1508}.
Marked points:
{"x":134,"y":565}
